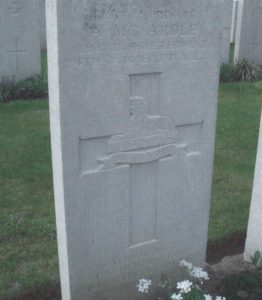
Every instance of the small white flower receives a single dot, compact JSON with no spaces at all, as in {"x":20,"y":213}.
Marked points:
{"x":208,"y":297}
{"x":220,"y":298}
{"x":176,"y":297}
{"x":184,"y":286}
{"x":199,"y":273}
{"x":186,"y":264}
{"x":198,"y":287}
{"x":143,"y":285}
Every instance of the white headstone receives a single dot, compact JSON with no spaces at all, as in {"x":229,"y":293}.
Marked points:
{"x":19,"y":39}
{"x":42,"y":20}
{"x":133,"y":125}
{"x":226,"y":7}
{"x":254,"y":236}
{"x":249,"y":31}
{"x":235,"y":16}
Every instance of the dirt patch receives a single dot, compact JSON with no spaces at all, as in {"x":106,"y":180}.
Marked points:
{"x":231,"y":245}
{"x":44,"y":293}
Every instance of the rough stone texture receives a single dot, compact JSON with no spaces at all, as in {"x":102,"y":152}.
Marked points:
{"x":226,"y":9}
{"x":19,"y":39}
{"x":254,"y":236}
{"x":132,"y":125}
{"x":249,"y":33}
{"x":235,"y":16}
{"x":42,"y":20}
{"x":229,"y":265}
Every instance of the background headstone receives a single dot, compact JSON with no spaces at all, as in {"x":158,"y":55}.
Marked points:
{"x":226,"y":9}
{"x":249,"y":33}
{"x":133,"y":125}
{"x":42,"y":20}
{"x":234,"y":21}
{"x":19,"y":39}
{"x":254,"y":237}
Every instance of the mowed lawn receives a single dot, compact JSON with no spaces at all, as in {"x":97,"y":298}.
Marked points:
{"x":28,"y":254}
{"x":235,"y":153}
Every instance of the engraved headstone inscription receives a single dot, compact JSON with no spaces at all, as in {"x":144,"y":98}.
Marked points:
{"x":254,"y":237}
{"x":132,"y":123}
{"x":249,"y":33}
{"x":19,"y":39}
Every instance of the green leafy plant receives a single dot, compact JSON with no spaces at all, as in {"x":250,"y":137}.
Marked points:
{"x":247,"y":282}
{"x":246,"y":71}
{"x":227,"y":73}
{"x":241,"y":71}
{"x":31,"y":88}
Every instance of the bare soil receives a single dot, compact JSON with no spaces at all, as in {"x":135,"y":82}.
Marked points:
{"x":228,"y":246}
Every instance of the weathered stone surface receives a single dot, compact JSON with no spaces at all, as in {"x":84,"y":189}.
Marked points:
{"x":19,"y":39}
{"x":235,"y":16}
{"x":249,"y":33}
{"x":254,"y":237}
{"x":225,"y":13}
{"x":230,"y":265}
{"x":133,"y":97}
{"x":42,"y":22}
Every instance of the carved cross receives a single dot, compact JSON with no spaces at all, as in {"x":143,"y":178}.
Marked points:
{"x":17,"y":52}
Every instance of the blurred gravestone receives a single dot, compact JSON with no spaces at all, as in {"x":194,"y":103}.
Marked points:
{"x":225,"y":13}
{"x":235,"y":16}
{"x":19,"y":39}
{"x":42,"y":20}
{"x":133,"y":97}
{"x":254,"y":237}
{"x":249,"y":31}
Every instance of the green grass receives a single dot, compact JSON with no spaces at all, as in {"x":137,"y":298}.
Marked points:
{"x":28,"y":255}
{"x":236,"y":143}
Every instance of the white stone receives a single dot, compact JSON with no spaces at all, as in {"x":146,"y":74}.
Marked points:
{"x":133,"y":96}
{"x":249,"y":33}
{"x":226,"y":7}
{"x":254,"y":236}
{"x":42,"y":20}
{"x":19,"y":39}
{"x":235,"y":16}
